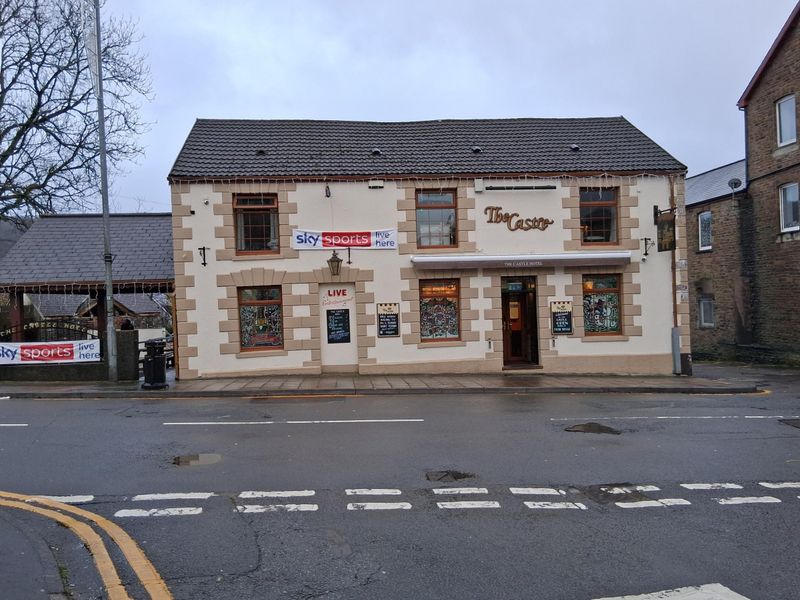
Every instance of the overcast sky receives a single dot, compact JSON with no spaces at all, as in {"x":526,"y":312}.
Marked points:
{"x":674,"y":68}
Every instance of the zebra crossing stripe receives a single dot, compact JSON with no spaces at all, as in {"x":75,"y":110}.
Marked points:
{"x":786,"y":485}
{"x":277,"y":494}
{"x":748,"y":500}
{"x":467,"y":504}
{"x":532,"y":491}
{"x":464,"y":490}
{"x":711,"y":486}
{"x":159,"y":512}
{"x":379,"y":506}
{"x":712,"y":591}
{"x":263,"y":508}
{"x":654,"y":503}
{"x":556,"y":505}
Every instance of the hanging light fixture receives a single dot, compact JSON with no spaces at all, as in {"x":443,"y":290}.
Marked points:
{"x":334,"y":263}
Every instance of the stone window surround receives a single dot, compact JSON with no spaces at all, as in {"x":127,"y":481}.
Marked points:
{"x":407,"y":216}
{"x":227,"y":231}
{"x":260,"y":276}
{"x":630,"y":302}
{"x":625,"y":202}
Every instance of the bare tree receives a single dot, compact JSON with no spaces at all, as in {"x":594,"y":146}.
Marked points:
{"x":48,"y":120}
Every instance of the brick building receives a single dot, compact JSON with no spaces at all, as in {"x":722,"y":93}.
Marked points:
{"x":771,"y":217}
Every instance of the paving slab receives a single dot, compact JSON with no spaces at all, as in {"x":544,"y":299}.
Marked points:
{"x":709,"y":378}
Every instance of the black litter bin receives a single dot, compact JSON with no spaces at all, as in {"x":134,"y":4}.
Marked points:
{"x":155,"y":365}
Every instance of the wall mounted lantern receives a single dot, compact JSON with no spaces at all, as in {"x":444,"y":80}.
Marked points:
{"x":334,"y":264}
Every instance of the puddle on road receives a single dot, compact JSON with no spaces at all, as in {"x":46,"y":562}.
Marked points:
{"x":790,"y":422}
{"x":190,"y":460}
{"x":592,"y":428}
{"x":447,"y":475}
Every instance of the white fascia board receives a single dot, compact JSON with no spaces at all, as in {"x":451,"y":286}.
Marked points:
{"x":515,"y":261}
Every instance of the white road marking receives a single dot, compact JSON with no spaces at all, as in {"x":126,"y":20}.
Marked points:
{"x":712,"y":591}
{"x":373,"y":492}
{"x":207,"y":423}
{"x":654,"y":503}
{"x":556,"y":505}
{"x":262,"y":508}
{"x":5,"y":397}
{"x":527,"y":491}
{"x":159,"y":512}
{"x":780,"y":486}
{"x":70,"y":499}
{"x":463,"y":490}
{"x":279,"y":494}
{"x":487,"y":504}
{"x":711,"y":486}
{"x":379,"y":506}
{"x":13,"y":424}
{"x":627,"y":489}
{"x":665,"y":417}
{"x":174,"y":496}
{"x":748,"y":500}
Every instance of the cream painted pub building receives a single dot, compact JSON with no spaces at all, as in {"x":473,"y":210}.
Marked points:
{"x":457,"y":246}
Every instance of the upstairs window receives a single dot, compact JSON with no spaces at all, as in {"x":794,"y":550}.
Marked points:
{"x":790,"y":207}
{"x":601,"y":304}
{"x":787,"y":120}
{"x":599,"y":209}
{"x":256,"y":218}
{"x":704,"y":230}
{"x":436,"y":219}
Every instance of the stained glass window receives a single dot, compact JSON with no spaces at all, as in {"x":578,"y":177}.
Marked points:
{"x":704,"y":228}
{"x":601,"y":304}
{"x":598,"y":211}
{"x":438,"y":310}
{"x":260,"y":318}
{"x":436,"y":219}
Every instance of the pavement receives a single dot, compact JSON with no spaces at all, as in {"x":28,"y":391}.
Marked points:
{"x":708,"y":378}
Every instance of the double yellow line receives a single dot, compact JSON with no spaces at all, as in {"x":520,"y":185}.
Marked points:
{"x":65,"y":515}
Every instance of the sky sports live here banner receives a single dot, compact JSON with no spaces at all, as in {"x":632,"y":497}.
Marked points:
{"x":377,"y":239}
{"x":32,"y":353}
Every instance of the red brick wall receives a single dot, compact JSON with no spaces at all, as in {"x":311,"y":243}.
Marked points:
{"x":773,"y":261}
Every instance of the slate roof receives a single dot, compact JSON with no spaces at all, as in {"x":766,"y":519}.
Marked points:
{"x":9,"y":234}
{"x":68,"y":249}
{"x":714,"y":183}
{"x":228,"y":149}
{"x":67,"y":305}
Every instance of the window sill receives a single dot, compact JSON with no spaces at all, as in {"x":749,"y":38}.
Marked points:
{"x":705,"y":250}
{"x":258,"y":256}
{"x":788,"y":236}
{"x":604,"y":338}
{"x":451,"y":344}
{"x":261,"y":353}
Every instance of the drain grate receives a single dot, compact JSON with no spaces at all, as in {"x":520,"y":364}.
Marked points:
{"x":790,"y":422}
{"x":447,"y":475}
{"x":592,"y":428}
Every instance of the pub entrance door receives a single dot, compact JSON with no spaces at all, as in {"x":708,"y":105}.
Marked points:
{"x":520,"y":325}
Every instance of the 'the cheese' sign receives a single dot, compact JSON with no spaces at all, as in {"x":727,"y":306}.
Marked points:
{"x":378,"y":239}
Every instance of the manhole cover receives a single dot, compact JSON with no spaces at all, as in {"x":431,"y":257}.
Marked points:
{"x":614,"y":492}
{"x":447,"y":475}
{"x":189,"y":460}
{"x":592,"y":428}
{"x":792,"y":422}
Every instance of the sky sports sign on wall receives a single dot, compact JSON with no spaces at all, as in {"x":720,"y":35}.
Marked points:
{"x":37,"y":353}
{"x":378,"y":239}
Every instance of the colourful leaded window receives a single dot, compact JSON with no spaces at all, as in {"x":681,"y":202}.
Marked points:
{"x":256,"y":218}
{"x":704,"y":228}
{"x":260,"y":318}
{"x":601,"y":304}
{"x":436,"y":219}
{"x":438,"y":310}
{"x":598,"y":209}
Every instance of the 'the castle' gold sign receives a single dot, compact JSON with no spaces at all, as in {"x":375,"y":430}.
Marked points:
{"x":513,"y":221}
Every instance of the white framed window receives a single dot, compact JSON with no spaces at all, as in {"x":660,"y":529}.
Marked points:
{"x":787,"y":120}
{"x":790,"y":207}
{"x":704,"y":230}
{"x":706,"y":312}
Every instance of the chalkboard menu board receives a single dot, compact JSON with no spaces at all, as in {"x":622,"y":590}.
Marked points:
{"x":339,"y":326}
{"x":561,"y":317}
{"x":388,"y":319}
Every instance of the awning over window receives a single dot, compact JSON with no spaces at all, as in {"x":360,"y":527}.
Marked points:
{"x":521,"y":261}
